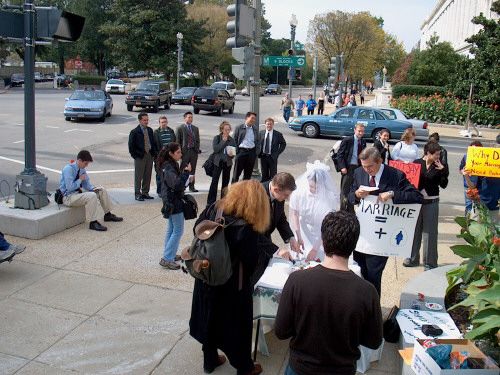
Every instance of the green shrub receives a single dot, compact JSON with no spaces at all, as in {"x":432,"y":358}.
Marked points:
{"x":89,"y":80}
{"x":445,"y":110}
{"x":400,"y":90}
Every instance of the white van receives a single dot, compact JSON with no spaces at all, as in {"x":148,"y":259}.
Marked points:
{"x":230,"y":87}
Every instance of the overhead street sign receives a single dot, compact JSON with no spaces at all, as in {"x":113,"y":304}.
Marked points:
{"x":290,"y":61}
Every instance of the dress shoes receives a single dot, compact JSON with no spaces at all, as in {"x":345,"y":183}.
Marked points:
{"x":221,"y":359}
{"x":147,"y":196}
{"x":139,"y":198}
{"x":112,"y":217}
{"x":257,"y":369}
{"x":95,"y":225}
{"x":409,"y":263}
{"x":192,"y":189}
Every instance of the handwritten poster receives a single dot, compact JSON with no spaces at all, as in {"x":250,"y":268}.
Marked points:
{"x":483,"y":161}
{"x":411,"y":322}
{"x":387,"y":229}
{"x":411,"y":170}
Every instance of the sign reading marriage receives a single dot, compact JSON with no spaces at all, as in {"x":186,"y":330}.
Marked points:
{"x":387,"y":229}
{"x":483,"y":161}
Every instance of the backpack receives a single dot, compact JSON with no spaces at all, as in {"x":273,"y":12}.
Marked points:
{"x":209,"y":258}
{"x":335,"y":156}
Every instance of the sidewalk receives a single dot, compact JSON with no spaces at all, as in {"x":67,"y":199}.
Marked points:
{"x":99,"y":303}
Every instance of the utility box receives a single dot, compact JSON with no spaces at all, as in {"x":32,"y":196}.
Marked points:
{"x":31,"y":191}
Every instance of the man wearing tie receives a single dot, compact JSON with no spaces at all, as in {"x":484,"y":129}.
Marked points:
{"x":188,"y":136}
{"x":348,"y":161}
{"x":142,"y":148}
{"x":272,"y":145}
{"x":247,"y":147}
{"x":391,"y":184}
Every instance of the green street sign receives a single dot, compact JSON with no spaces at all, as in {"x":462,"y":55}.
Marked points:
{"x":290,"y":61}
{"x":299,"y":46}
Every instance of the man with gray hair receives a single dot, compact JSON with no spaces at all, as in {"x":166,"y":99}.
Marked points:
{"x":391,"y":184}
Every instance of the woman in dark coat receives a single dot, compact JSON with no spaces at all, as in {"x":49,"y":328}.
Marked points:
{"x":173,"y":183}
{"x":222,"y":316}
{"x":222,"y":161}
{"x":382,"y":146}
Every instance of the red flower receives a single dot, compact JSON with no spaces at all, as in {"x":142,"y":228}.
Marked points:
{"x":496,"y":241}
{"x":473,"y":194}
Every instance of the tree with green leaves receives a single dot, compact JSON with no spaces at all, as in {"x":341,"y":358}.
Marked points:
{"x":142,"y":35}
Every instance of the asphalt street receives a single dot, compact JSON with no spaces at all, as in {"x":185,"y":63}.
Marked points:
{"x":58,"y":141}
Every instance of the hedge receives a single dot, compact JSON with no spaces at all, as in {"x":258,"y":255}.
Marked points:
{"x":446,"y":110}
{"x":417,"y":90}
{"x":89,"y":80}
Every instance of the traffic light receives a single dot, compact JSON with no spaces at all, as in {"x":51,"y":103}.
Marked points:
{"x":53,"y":23}
{"x":242,"y":26}
{"x":246,"y":56}
{"x":298,"y":74}
{"x":290,"y":52}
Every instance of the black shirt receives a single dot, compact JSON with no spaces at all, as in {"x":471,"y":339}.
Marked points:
{"x":431,"y":179}
{"x":328,"y":314}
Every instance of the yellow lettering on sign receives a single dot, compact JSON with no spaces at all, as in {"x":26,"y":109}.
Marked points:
{"x":483,"y":161}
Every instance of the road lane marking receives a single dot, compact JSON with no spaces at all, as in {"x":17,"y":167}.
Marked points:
{"x":21,"y":141}
{"x":52,"y":127}
{"x":59,"y":172}
{"x":78,"y":130}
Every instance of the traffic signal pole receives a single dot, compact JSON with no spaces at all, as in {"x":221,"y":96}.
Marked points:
{"x":255,"y":84}
{"x":29,"y":90}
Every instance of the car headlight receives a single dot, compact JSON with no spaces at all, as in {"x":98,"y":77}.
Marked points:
{"x":97,"y":109}
{"x":295,"y":121}
{"x":129,"y":97}
{"x":151,"y":97}
{"x":68,"y":108}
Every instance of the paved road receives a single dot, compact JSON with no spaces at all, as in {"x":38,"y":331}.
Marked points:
{"x":58,"y":140}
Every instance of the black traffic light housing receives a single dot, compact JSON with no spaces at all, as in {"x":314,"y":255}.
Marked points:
{"x":60,"y":25}
{"x":290,"y":52}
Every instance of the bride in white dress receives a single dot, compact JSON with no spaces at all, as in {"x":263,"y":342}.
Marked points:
{"x":316,"y":195}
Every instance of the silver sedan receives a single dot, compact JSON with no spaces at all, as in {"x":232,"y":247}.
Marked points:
{"x":421,"y":127}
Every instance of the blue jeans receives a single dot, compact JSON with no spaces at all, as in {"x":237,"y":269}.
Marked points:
{"x":289,"y":371}
{"x":286,"y":113}
{"x":4,"y":245}
{"x":173,"y":236}
{"x":299,"y":112}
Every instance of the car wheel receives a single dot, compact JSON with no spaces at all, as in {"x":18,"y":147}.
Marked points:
{"x":167,"y":104}
{"x":231,"y":110}
{"x":156,"y":107}
{"x":196,"y":111}
{"x":67,"y":118}
{"x":130,"y":108}
{"x":103,"y":117}
{"x":220,"y":110}
{"x":310,"y":130}
{"x":376,"y":134}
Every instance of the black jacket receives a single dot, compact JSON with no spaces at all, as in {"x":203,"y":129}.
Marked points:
{"x":392,"y":179}
{"x":173,"y":183}
{"x":384,"y":152}
{"x":219,"y":146}
{"x":136,"y":143}
{"x":345,"y":151}
{"x":432,"y":179}
{"x":278,"y":144}
{"x":239,"y":135}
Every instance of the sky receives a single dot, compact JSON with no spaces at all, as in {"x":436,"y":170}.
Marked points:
{"x":402,"y":18}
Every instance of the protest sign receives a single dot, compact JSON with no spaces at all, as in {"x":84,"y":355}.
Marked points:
{"x":387,"y":229}
{"x":411,"y":170}
{"x":483,"y":161}
{"x":411,"y":322}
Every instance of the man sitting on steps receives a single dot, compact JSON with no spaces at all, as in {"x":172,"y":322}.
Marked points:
{"x":74,"y":178}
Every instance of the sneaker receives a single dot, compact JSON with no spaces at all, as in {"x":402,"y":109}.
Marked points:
{"x":169,"y":264}
{"x":112,"y":217}
{"x":95,"y":225}
{"x":409,"y":263}
{"x":6,"y":254}
{"x":17,"y":249}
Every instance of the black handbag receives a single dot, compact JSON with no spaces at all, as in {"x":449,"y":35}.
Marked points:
{"x":189,"y":207}
{"x":209,"y":165}
{"x":391,"y":327}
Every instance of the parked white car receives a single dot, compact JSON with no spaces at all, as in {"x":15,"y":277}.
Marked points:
{"x":230,"y":87}
{"x":420,"y":126}
{"x":117,"y":86}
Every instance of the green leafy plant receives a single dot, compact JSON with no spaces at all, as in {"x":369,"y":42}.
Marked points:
{"x":417,"y":90}
{"x":480,"y":273}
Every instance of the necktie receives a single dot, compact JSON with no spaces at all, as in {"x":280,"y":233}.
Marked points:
{"x":147,"y":146}
{"x":190,"y":137}
{"x":267,"y":146}
{"x":372,"y":181}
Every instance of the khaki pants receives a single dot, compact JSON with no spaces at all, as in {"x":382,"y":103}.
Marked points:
{"x":91,"y":202}
{"x":142,"y":179}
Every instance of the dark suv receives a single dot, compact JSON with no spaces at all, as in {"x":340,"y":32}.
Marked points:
{"x":212,"y":100}
{"x":150,"y":94}
{"x":17,"y":79}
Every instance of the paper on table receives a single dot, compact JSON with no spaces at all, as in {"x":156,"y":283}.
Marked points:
{"x":368,"y":188}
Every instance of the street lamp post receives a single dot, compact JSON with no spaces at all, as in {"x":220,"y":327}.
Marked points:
{"x":384,"y":72}
{"x":179,"y":58}
{"x":293,"y":26}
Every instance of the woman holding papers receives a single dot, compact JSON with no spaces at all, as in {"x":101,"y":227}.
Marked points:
{"x":433,"y":175}
{"x":316,"y":195}
{"x":224,"y":148}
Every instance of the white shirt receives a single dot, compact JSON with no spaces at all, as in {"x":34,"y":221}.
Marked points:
{"x":405,"y":152}
{"x":249,"y":140}
{"x":269,"y":133}
{"x":378,"y":175}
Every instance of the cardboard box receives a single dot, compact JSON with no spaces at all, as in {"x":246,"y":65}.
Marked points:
{"x":423,"y":364}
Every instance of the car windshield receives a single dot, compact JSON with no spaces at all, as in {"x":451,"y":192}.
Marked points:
{"x":206,"y":92}
{"x":115,"y":82}
{"x":272,"y":86}
{"x":17,"y":76}
{"x":390,"y":114}
{"x":405,"y":116}
{"x":148,"y":86}
{"x":185,"y":90}
{"x":87,"y":95}
{"x":219,"y":86}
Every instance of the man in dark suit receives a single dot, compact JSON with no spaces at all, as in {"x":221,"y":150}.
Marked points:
{"x":348,"y":161}
{"x":142,"y":148}
{"x":272,"y":144}
{"x":247,"y":141}
{"x":391,"y":184}
{"x":279,"y":190}
{"x":188,"y":136}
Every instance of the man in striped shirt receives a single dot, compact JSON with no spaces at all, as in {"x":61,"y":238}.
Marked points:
{"x":163,"y":136}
